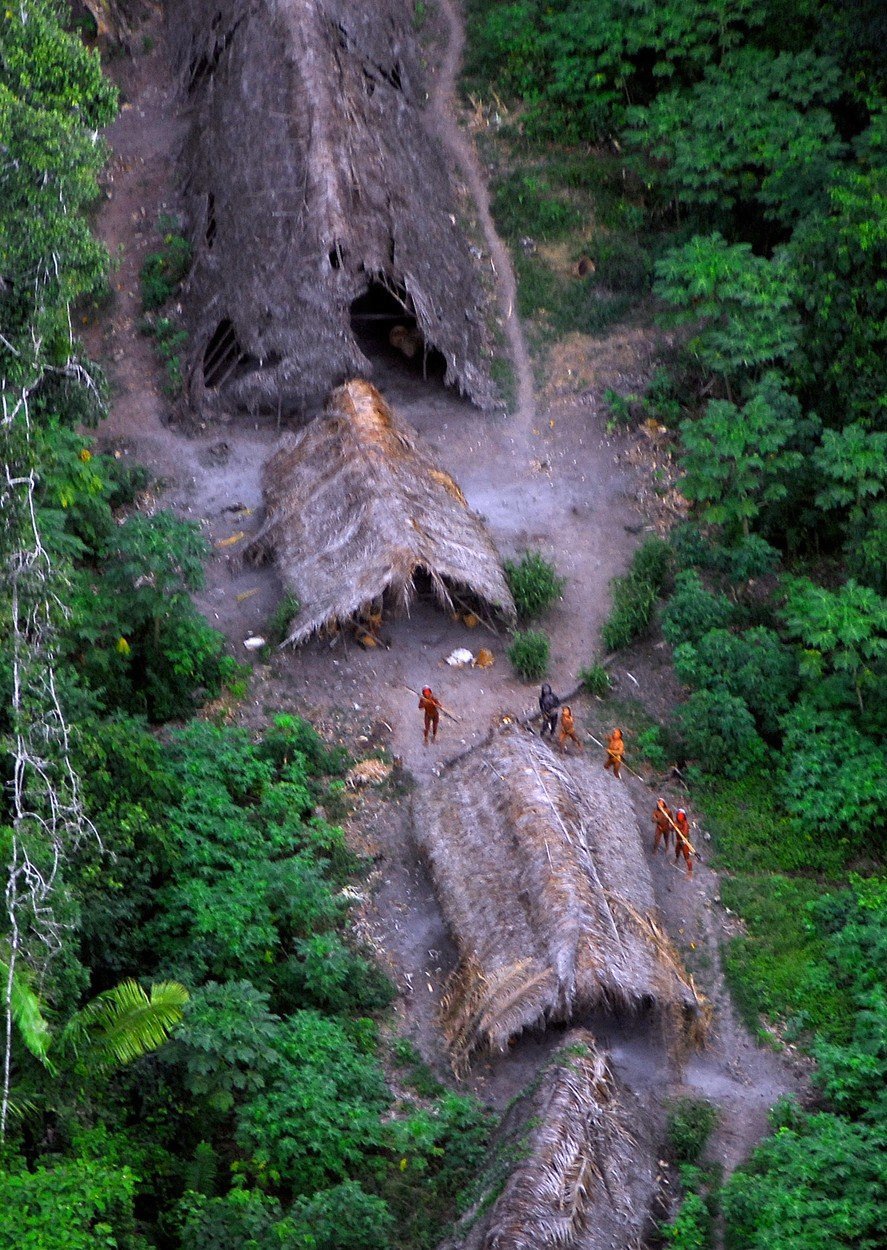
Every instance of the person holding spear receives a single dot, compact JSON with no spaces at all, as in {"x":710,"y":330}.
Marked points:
{"x":431,"y":706}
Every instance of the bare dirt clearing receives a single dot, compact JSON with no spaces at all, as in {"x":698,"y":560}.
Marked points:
{"x":549,"y":478}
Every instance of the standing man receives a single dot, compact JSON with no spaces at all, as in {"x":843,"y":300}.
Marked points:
{"x":615,"y":752}
{"x":548,"y":706}
{"x":431,"y":707}
{"x":662,"y":825}
{"x":682,"y":844}
{"x":568,"y":729}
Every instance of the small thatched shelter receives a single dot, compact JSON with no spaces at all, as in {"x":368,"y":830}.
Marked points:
{"x":586,"y":1170}
{"x":317,"y":197}
{"x":537,"y":862}
{"x":356,"y":510}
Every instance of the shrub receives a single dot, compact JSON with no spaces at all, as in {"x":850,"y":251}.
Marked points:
{"x":719,"y":732}
{"x":534,"y":584}
{"x":832,"y":777}
{"x":691,"y":1227}
{"x":523,"y":204}
{"x":596,"y":680}
{"x":635,"y":595}
{"x":690,"y":1122}
{"x":337,"y":979}
{"x":282,"y":617}
{"x":164,"y":270}
{"x":529,"y":653}
{"x":621,"y":263}
{"x":71,"y":1205}
{"x":651,"y":746}
{"x":755,"y":666}
{"x":692,"y":610}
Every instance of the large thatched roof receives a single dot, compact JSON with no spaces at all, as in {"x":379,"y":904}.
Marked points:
{"x":537,"y":862}
{"x":586,"y":1169}
{"x":356,"y":508}
{"x":310,"y":174}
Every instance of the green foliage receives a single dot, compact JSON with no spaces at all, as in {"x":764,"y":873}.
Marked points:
{"x":838,"y":258}
{"x":690,"y":1124}
{"x":736,"y":462}
{"x":170,"y":339}
{"x":122,"y":1023}
{"x":635,"y":595}
{"x":741,"y":305}
{"x":529,"y":654}
{"x":523,"y":204}
{"x":68,"y":1205}
{"x":719,"y":733}
{"x":843,"y":632}
{"x":833,"y":778}
{"x":755,"y":127}
{"x":226,"y":1043}
{"x":534,"y":584}
{"x":282,"y":617}
{"x":691,"y":1227}
{"x":815,"y":1187}
{"x":754,"y":666}
{"x":163,"y":271}
{"x":319,"y":1115}
{"x":596,"y":680}
{"x":852,"y":468}
{"x":334,"y":978}
{"x":692,"y":610}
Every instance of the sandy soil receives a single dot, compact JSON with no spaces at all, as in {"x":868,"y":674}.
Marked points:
{"x":548,"y":477}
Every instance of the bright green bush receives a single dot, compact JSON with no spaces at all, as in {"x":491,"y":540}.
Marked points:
{"x":690,"y":1124}
{"x":534,"y":584}
{"x":692,"y":610}
{"x":754,"y":666}
{"x":529,"y":653}
{"x":68,"y":1204}
{"x":635,"y":595}
{"x":163,"y":271}
{"x":596,"y":680}
{"x":833,"y":778}
{"x":691,"y":1227}
{"x":719,"y":733}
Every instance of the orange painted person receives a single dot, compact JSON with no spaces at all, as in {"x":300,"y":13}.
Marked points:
{"x":615,"y":752}
{"x":568,"y":730}
{"x":662,"y":825}
{"x":431,"y":707}
{"x":682,"y":844}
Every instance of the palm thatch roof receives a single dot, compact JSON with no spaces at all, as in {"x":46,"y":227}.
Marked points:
{"x":311,"y":177}
{"x":356,"y":508}
{"x":537,"y":863}
{"x":586,"y":1172}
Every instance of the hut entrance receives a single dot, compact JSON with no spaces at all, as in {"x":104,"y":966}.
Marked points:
{"x":383,"y":321}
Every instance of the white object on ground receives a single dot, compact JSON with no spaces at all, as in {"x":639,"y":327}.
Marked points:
{"x":254,"y":643}
{"x":460,"y":657}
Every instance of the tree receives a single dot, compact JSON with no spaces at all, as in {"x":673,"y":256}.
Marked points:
{"x":852,"y":477}
{"x":843,"y":631}
{"x":737,"y":461}
{"x":742,"y":305}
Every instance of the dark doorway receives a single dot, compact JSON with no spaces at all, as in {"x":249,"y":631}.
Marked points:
{"x":384,"y":323}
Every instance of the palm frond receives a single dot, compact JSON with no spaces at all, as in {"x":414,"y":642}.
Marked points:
{"x":27,"y":1014}
{"x":124,"y":1023}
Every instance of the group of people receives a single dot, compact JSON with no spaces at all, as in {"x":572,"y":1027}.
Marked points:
{"x":557,"y":719}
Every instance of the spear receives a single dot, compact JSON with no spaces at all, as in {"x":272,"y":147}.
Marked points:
{"x":445,"y":711}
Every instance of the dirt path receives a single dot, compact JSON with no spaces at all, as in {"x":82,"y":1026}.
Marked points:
{"x":443,"y":108}
{"x":550,"y":478}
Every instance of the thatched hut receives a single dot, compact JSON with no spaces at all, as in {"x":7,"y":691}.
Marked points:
{"x":537,"y":863}
{"x":356,"y":511}
{"x":316,"y":197}
{"x":586,"y":1170}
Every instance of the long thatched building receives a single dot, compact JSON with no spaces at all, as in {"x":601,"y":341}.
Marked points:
{"x":356,"y":511}
{"x":586,"y":1170}
{"x":537,"y":863}
{"x":317,"y":199}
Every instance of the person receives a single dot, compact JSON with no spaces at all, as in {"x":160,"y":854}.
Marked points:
{"x":615,"y":752}
{"x":568,"y":729}
{"x":662,"y":825}
{"x":431,"y":707}
{"x":548,"y":706}
{"x":682,"y":844}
